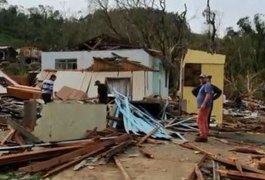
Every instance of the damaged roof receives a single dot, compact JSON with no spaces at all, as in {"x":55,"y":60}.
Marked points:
{"x":116,"y":64}
{"x":105,"y":42}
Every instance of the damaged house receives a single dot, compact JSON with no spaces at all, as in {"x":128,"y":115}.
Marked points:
{"x":132,"y":70}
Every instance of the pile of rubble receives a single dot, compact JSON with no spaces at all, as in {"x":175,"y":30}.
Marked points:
{"x":216,"y":166}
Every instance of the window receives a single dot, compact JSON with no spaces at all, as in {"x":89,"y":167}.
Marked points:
{"x":122,"y":85}
{"x":191,"y":74}
{"x":65,"y":64}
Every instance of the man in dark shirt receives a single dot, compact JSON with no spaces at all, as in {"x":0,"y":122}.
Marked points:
{"x":102,"y":92}
{"x":216,"y":94}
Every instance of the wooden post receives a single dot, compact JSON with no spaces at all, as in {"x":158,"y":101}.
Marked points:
{"x":30,"y":114}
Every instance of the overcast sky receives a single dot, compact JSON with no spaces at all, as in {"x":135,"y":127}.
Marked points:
{"x":228,"y":11}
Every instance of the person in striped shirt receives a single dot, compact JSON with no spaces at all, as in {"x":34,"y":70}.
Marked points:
{"x":47,"y":89}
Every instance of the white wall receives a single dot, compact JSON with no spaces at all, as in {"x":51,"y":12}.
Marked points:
{"x":85,"y":58}
{"x":80,"y":80}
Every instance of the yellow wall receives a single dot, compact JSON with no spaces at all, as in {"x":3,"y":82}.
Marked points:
{"x":216,"y":70}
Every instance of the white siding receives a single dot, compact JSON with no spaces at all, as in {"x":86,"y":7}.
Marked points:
{"x":141,"y":87}
{"x":80,"y":80}
{"x":85,"y":58}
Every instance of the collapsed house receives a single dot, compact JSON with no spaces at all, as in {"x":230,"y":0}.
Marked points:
{"x":132,"y":70}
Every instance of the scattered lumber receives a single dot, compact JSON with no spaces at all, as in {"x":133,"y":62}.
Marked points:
{"x":147,"y":153}
{"x":148,"y":135}
{"x":248,"y":150}
{"x":122,"y":169}
{"x":221,"y":159}
{"x":8,"y":136}
{"x":193,"y":175}
{"x":238,"y":174}
{"x":34,"y":155}
{"x":198,"y":173}
{"x":23,"y":131}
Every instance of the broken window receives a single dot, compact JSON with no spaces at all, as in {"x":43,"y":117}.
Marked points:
{"x":66,"y":64}
{"x":122,"y":85}
{"x":191,"y":74}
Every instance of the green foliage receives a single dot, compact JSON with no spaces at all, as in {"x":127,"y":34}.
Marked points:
{"x":245,"y":50}
{"x":47,"y":29}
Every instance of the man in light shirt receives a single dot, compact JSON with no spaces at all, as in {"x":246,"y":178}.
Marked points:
{"x":47,"y":89}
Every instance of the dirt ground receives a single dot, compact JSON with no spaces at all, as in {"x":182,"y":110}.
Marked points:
{"x":170,"y":162}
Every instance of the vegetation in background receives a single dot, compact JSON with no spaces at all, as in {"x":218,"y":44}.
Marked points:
{"x":144,"y":23}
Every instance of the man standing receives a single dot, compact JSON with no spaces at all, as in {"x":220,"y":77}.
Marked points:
{"x":216,"y":93}
{"x":204,"y":103}
{"x":102,"y":92}
{"x":47,"y":89}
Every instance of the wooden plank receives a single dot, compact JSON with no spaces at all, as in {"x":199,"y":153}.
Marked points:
{"x":192,"y":176}
{"x":73,"y":162}
{"x":245,"y":175}
{"x":216,"y":174}
{"x":122,"y":169}
{"x":30,"y":114}
{"x":8,"y":136}
{"x":148,"y":135}
{"x":45,"y":165}
{"x":19,"y":139}
{"x":221,"y":159}
{"x":115,"y":150}
{"x":33,"y":155}
{"x":198,"y":173}
{"x":238,"y":165}
{"x":248,"y":150}
{"x":23,"y":131}
{"x":147,"y":153}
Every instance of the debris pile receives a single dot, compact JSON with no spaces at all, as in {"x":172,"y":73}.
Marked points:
{"x":14,"y":107}
{"x":214,"y":166}
{"x":135,"y":121}
{"x":51,"y":158}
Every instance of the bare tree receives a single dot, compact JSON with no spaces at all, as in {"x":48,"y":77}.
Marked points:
{"x":210,"y":17}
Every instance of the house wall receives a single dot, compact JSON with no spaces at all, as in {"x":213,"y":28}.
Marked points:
{"x":159,"y":79}
{"x":85,"y":60}
{"x":217,"y":71}
{"x":211,"y":65}
{"x":81,"y":80}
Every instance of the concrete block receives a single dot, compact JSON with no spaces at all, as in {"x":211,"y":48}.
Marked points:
{"x":68,"y":121}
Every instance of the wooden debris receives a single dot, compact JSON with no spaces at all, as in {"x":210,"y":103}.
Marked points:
{"x":8,"y":136}
{"x":192,"y":176}
{"x":221,"y":159}
{"x":248,"y":150}
{"x":30,"y":114}
{"x":237,"y":174}
{"x":216,"y":174}
{"x":154,"y":141}
{"x":261,"y":164}
{"x":147,"y":153}
{"x":198,"y":173}
{"x":70,"y":163}
{"x":116,"y":149}
{"x":148,"y":135}
{"x":19,"y":139}
{"x":122,"y":169}
{"x":48,"y":164}
{"x":22,"y":130}
{"x":34,"y":155}
{"x":238,"y":165}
